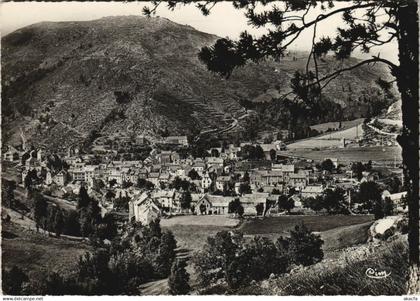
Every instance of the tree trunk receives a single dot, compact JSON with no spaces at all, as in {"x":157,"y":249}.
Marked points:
{"x":408,"y":84}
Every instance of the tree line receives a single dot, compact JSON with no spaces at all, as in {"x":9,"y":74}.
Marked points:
{"x":141,"y":254}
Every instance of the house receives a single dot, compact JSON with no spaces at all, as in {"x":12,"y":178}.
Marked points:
{"x":237,"y":187}
{"x":142,"y":173}
{"x":203,"y":206}
{"x":116,"y":174}
{"x":250,"y":201}
{"x":164,"y":157}
{"x":206,"y":181}
{"x":90,"y":172}
{"x":178,"y":140}
{"x":40,"y":155}
{"x":396,"y":198}
{"x":298,"y":180}
{"x":222,"y":183}
{"x":48,"y":178}
{"x":154,"y":178}
{"x":24,"y":174}
{"x":176,"y":170}
{"x":269,"y":150}
{"x":199,"y":167}
{"x":166,"y":199}
{"x":144,"y":209}
{"x":11,"y":154}
{"x":286,"y":169}
{"x":215,"y":162}
{"x":60,"y":178}
{"x":296,"y":201}
{"x":195,"y":197}
{"x":164,"y":177}
{"x":140,"y":140}
{"x":272,"y":177}
{"x":213,"y":204}
{"x":312,"y":191}
{"x":233,"y":152}
{"x":270,"y":189}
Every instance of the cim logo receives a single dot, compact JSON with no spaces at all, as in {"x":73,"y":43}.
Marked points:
{"x":375,"y":274}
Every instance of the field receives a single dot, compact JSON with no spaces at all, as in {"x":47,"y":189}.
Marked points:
{"x":329,"y":140}
{"x":191,"y":232}
{"x":36,"y":252}
{"x":348,"y":155}
{"x":322,"y":127}
{"x":281,"y":224}
{"x":343,"y":237}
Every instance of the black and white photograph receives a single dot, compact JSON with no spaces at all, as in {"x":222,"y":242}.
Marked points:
{"x":230,"y":148}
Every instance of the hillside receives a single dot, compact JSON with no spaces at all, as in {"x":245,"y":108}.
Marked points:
{"x":67,"y":82}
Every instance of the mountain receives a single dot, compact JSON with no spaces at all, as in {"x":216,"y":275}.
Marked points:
{"x":66,"y":83}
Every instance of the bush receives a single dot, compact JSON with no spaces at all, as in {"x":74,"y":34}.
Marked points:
{"x":305,"y":247}
{"x":226,"y":256}
{"x":13,"y":281}
{"x":350,"y":278}
{"x":178,"y":280}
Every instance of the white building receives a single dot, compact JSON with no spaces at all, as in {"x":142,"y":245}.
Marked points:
{"x":144,"y":209}
{"x":206,"y":181}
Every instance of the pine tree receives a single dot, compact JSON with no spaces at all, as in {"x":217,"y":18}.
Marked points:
{"x":83,"y":199}
{"x":178,"y":280}
{"x":40,"y":210}
{"x":58,"y":223}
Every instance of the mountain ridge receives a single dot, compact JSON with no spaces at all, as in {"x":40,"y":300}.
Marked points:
{"x":66,"y":82}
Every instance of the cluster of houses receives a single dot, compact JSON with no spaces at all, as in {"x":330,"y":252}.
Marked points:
{"x":217,"y":179}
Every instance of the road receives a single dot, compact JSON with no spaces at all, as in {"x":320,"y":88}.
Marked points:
{"x":230,"y":127}
{"x":380,"y":131}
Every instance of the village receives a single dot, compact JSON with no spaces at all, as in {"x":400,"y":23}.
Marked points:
{"x":170,"y":181}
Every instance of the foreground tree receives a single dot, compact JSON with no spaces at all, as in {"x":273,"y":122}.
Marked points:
{"x":40,"y":211}
{"x":304,"y":246}
{"x":13,"y":280}
{"x":178,"y":280}
{"x":369,"y":24}
{"x":8,"y":193}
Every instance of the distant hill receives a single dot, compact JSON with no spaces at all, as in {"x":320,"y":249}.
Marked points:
{"x":67,"y":82}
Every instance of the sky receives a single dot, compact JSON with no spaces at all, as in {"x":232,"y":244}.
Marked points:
{"x":223,"y":21}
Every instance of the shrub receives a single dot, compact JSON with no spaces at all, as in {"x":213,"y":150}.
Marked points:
{"x":226,"y":256}
{"x":305,"y":247}
{"x":178,"y":280}
{"x":350,"y":278}
{"x":13,"y":281}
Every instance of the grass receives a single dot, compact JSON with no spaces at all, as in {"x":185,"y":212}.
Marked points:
{"x":322,"y":127}
{"x":191,"y":231}
{"x":34,"y":252}
{"x":318,"y":223}
{"x":347,"y":276}
{"x":200,"y":220}
{"x":328,"y":140}
{"x":343,"y":237}
{"x":348,"y":155}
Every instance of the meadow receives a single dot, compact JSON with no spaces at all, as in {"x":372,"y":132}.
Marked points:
{"x":192,"y":235}
{"x":349,"y":155}
{"x":316,"y":223}
{"x":34,"y":252}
